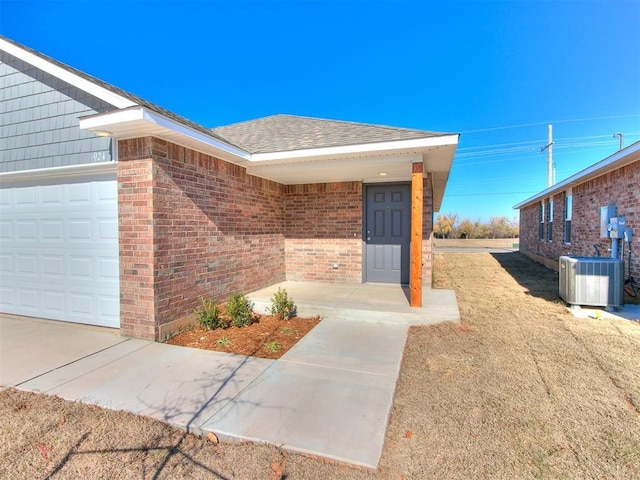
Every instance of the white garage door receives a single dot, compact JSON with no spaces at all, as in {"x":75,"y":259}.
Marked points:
{"x":59,"y":249}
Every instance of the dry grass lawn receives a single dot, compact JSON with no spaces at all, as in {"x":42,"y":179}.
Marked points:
{"x":520,"y":389}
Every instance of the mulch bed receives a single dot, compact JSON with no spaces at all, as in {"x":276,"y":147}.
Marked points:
{"x":254,"y":340}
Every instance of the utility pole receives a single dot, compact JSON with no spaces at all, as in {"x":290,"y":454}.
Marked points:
{"x":621,"y":139}
{"x":549,"y":148}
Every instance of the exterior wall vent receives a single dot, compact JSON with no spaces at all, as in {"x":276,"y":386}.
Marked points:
{"x":594,"y":281}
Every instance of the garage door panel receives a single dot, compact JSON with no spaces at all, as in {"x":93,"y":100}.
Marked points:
{"x":53,"y":301}
{"x":25,"y":197}
{"x":80,"y":229}
{"x":59,"y":248}
{"x":106,"y":194}
{"x":27,"y":265}
{"x":79,"y":194}
{"x":81,"y":304}
{"x":107,"y":229}
{"x":6,"y":229}
{"x":53,"y":266}
{"x":80,"y":268}
{"x":27,"y":299}
{"x":6,"y":263}
{"x":26,"y":230}
{"x":110,"y":307}
{"x":6,"y":197}
{"x":109,"y":268}
{"x":52,"y":229}
{"x":7,"y":297}
{"x":51,"y":195}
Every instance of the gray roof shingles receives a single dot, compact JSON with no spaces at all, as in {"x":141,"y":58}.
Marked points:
{"x":282,"y":133}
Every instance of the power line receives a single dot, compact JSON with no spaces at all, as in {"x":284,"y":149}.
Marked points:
{"x":488,"y":194}
{"x":490,"y":129}
{"x":465,"y":159}
{"x":533,"y":145}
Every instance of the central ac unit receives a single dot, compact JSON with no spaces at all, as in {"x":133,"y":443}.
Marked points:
{"x":593,"y":281}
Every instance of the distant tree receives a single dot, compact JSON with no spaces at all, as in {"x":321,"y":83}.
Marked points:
{"x":466,"y":229}
{"x":444,"y":225}
{"x":502,"y":227}
{"x":480,"y":230}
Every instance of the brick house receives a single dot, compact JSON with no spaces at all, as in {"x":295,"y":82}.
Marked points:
{"x":119,"y":213}
{"x":564,"y":219}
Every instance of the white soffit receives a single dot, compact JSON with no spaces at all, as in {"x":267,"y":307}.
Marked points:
{"x":365,"y":169}
{"x":63,"y":74}
{"x":362,"y":162}
{"x":139,"y":121}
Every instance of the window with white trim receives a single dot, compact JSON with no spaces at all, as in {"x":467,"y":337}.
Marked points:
{"x":541,"y":230}
{"x":568,"y":207}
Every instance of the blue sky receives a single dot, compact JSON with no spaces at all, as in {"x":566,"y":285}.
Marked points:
{"x":496,"y":72}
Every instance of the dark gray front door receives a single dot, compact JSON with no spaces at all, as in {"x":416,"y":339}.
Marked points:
{"x":387,"y":233}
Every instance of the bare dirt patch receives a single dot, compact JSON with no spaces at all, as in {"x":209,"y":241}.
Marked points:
{"x":519,"y":389}
{"x":266,"y":337}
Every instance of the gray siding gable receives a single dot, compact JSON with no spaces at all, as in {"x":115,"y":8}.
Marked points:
{"x":39,"y":120}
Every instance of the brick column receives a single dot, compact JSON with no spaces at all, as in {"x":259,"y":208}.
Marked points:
{"x":427,"y":231}
{"x":135,"y":212}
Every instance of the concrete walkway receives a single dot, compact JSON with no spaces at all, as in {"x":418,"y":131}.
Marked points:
{"x":330,"y":395}
{"x":367,"y":302}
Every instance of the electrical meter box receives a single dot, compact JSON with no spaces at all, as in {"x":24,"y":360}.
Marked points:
{"x":628,"y":235}
{"x":617,"y":226}
{"x":606,"y":214}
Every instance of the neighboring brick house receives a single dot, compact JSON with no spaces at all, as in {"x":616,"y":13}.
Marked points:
{"x":564,"y":219}
{"x":116,"y":212}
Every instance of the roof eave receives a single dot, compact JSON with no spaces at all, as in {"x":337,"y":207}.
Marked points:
{"x":139,"y":121}
{"x":619,"y":159}
{"x":316,"y":165}
{"x":362,"y":149}
{"x":65,"y":74}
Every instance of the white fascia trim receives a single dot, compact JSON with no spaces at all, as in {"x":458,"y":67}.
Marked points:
{"x":104,"y":168}
{"x":63,"y":74}
{"x":414,"y":144}
{"x":103,"y":121}
{"x":595,"y":170}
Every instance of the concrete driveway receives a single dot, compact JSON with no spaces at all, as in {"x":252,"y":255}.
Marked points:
{"x":330,"y":395}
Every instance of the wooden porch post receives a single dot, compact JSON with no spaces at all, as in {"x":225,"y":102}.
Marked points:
{"x":415,"y":282}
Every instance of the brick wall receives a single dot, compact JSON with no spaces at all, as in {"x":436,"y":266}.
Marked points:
{"x":194,"y":226}
{"x":620,"y":187}
{"x":212,"y":228}
{"x":323,"y":227}
{"x":135,"y":212}
{"x":427,"y":232}
{"x":545,"y":251}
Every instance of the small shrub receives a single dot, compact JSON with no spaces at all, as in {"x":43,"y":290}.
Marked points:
{"x":282,"y":307}
{"x":238,"y":308}
{"x":272,"y":347}
{"x":287,"y":331}
{"x":209,"y":314}
{"x":224,"y":342}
